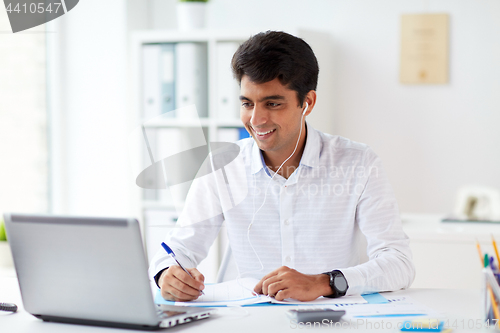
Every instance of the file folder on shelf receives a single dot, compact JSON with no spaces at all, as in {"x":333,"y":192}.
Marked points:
{"x":151,"y":90}
{"x":227,"y":90}
{"x":167,"y":66}
{"x":191,"y":77}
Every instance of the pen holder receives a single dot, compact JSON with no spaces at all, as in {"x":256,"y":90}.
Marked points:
{"x":491,"y":298}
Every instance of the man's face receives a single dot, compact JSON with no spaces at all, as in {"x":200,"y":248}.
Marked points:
{"x":271,"y":114}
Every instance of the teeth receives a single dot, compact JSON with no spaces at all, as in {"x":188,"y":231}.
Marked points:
{"x":264,"y":133}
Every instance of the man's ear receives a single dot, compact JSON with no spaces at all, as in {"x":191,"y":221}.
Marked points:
{"x":310,"y":99}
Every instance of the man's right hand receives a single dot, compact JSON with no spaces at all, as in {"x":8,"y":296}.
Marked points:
{"x":176,"y":285}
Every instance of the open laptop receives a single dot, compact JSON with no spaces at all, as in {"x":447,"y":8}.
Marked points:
{"x":89,"y":271}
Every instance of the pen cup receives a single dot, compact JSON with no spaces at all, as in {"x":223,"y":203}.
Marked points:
{"x":491,"y":298}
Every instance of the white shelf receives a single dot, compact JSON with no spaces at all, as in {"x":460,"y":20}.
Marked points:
{"x":175,"y":122}
{"x":204,"y":122}
{"x":230,"y":123}
{"x":201,"y":36}
{"x":158,"y":210}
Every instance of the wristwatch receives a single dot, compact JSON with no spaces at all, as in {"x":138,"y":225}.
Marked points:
{"x":338,"y":283}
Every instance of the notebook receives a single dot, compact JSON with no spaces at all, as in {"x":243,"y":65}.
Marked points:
{"x":88,"y":270}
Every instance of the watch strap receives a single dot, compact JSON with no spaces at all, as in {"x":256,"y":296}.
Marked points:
{"x":335,"y":292}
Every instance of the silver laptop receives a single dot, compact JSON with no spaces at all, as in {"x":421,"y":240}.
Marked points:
{"x":88,"y":271}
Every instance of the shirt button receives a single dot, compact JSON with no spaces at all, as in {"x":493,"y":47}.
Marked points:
{"x":287,"y":222}
{"x":288,"y":259}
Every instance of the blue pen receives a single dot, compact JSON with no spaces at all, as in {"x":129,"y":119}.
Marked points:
{"x":491,"y":264}
{"x":172,"y":255}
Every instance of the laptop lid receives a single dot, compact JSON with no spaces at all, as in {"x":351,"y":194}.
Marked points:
{"x":82,"y":268}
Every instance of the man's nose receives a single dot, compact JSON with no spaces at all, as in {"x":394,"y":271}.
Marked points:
{"x":259,"y":116}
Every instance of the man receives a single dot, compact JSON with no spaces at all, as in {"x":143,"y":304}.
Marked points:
{"x":309,"y":195}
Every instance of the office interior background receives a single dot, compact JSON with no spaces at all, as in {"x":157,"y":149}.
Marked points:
{"x":66,"y":109}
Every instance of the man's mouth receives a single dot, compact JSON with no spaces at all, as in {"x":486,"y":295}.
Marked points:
{"x":263,"y":133}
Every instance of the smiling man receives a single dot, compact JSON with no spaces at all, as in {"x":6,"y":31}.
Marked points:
{"x":272,"y":114}
{"x":310,"y":195}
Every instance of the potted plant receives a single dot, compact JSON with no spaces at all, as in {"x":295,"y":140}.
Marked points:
{"x":191,"y":14}
{"x":5,"y":254}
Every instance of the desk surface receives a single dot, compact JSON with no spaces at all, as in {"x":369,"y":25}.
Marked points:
{"x":454,"y":304}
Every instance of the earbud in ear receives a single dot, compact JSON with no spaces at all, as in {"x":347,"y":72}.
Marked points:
{"x":305,"y":110}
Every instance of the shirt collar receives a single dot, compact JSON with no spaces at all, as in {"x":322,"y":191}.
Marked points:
{"x":310,"y":156}
{"x":257,"y":159}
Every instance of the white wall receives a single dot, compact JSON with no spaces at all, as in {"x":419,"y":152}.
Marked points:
{"x":432,"y":139}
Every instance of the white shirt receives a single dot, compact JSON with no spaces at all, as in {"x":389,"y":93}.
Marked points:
{"x":310,"y":221}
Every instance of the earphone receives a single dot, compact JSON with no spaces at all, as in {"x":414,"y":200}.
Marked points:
{"x":305,"y":110}
{"x":265,"y":194}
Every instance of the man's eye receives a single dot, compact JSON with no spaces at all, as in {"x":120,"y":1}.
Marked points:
{"x":273,"y":104}
{"x":246,"y":105}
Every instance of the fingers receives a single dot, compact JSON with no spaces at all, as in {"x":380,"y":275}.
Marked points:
{"x":172,"y":294}
{"x":197,"y":275}
{"x":261,"y":286}
{"x":177,"y":285}
{"x":283,"y":294}
{"x":269,"y":286}
{"x":193,"y":282}
{"x":258,"y":287}
{"x":288,"y":283}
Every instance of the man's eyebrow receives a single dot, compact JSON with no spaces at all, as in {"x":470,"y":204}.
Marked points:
{"x":272,"y":97}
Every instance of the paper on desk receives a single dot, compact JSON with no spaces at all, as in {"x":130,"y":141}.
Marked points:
{"x":234,"y":292}
{"x":240,"y":292}
{"x":397,"y":307}
{"x":323,"y":301}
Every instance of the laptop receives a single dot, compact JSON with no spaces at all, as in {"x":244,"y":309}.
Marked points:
{"x":88,"y":270}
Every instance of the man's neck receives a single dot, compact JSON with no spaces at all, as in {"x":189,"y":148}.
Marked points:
{"x":274,"y":160}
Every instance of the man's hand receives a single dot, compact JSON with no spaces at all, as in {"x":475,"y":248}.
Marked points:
{"x":176,"y":285}
{"x":285,"y":282}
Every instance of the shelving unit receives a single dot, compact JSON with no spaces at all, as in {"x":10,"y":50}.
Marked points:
{"x":161,"y":208}
{"x":213,"y":124}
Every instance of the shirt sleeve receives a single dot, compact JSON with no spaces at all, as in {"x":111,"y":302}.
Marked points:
{"x":196,"y":229}
{"x":390,"y":265}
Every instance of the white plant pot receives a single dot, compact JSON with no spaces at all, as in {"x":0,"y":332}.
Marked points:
{"x":191,"y":15}
{"x":5,"y":256}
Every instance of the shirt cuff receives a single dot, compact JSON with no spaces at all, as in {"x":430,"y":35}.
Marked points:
{"x":355,"y":281}
{"x":157,"y":276}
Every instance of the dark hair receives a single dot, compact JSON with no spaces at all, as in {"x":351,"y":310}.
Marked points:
{"x":275,"y":54}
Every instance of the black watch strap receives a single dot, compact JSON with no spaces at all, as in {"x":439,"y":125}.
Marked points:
{"x":338,"y":283}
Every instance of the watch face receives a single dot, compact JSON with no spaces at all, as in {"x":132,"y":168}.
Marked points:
{"x":340,"y":283}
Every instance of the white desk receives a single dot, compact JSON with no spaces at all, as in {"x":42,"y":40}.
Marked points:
{"x":461,"y":304}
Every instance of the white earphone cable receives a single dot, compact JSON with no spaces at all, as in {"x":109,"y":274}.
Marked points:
{"x":265,"y":196}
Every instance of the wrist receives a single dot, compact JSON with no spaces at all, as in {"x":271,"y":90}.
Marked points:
{"x":323,"y":283}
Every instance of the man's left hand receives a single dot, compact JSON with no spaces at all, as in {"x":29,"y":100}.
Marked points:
{"x":285,"y":282}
